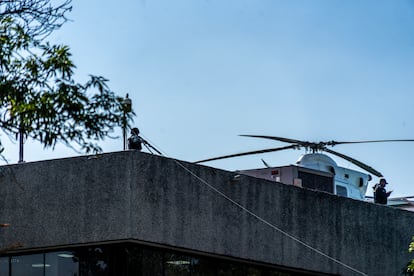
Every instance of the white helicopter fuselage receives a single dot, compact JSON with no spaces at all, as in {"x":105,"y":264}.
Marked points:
{"x":347,"y":182}
{"x":318,"y":171}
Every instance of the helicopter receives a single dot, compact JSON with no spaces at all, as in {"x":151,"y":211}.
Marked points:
{"x":315,"y":169}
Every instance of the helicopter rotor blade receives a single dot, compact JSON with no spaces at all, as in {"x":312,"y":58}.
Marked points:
{"x":248,"y":153}
{"x":315,"y":147}
{"x":355,"y":162}
{"x":334,"y":143}
{"x":286,"y":140}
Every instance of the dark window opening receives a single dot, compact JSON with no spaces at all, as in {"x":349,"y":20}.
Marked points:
{"x":129,"y":259}
{"x":341,"y":191}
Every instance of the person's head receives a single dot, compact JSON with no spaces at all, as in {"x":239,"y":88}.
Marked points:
{"x":383,"y":182}
{"x":135,"y":131}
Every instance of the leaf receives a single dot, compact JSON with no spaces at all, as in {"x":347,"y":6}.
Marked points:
{"x":40,"y":98}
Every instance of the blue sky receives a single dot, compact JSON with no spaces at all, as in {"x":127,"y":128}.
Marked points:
{"x":201,"y":72}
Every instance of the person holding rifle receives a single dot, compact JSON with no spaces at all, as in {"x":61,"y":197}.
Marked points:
{"x":135,"y":142}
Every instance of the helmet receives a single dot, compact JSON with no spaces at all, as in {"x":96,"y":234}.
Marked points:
{"x":134,"y":130}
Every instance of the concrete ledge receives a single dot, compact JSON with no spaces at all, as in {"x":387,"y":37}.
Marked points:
{"x":137,"y":196}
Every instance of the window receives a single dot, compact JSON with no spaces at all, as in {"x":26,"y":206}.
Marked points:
{"x":4,"y":266}
{"x":24,"y":265}
{"x":126,"y":259}
{"x":63,"y":263}
{"x":341,"y":191}
{"x":177,"y":264}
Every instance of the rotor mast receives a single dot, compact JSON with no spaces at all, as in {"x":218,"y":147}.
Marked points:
{"x":315,"y":147}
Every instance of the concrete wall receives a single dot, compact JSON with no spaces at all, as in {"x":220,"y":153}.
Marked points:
{"x":137,"y":196}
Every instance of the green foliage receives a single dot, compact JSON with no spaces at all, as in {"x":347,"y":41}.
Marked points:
{"x":410,"y":266}
{"x":40,"y":98}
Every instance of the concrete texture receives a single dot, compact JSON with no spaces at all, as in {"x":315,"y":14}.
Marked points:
{"x":137,"y":196}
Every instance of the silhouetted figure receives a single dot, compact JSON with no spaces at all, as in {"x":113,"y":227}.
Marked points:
{"x":135,"y":141}
{"x":380,"y":193}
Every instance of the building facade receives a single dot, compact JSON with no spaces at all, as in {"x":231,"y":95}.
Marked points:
{"x":132,"y":213}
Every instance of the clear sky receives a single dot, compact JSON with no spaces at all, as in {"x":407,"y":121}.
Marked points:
{"x":201,"y":72}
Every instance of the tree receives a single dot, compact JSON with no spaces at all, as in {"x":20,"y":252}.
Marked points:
{"x":38,"y":96}
{"x":410,"y":267}
{"x":37,"y":17}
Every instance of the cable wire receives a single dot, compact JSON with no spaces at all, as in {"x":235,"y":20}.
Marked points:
{"x":263,"y":220}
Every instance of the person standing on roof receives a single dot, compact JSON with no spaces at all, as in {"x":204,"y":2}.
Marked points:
{"x":135,"y":141}
{"x":380,"y":193}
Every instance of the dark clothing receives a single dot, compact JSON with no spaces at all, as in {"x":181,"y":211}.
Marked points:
{"x":135,"y":142}
{"x":380,"y":195}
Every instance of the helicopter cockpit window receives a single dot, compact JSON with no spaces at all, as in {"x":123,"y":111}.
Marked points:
{"x":341,"y":191}
{"x":361,"y":182}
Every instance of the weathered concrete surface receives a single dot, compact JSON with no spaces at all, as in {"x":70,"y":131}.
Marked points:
{"x":137,"y":196}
